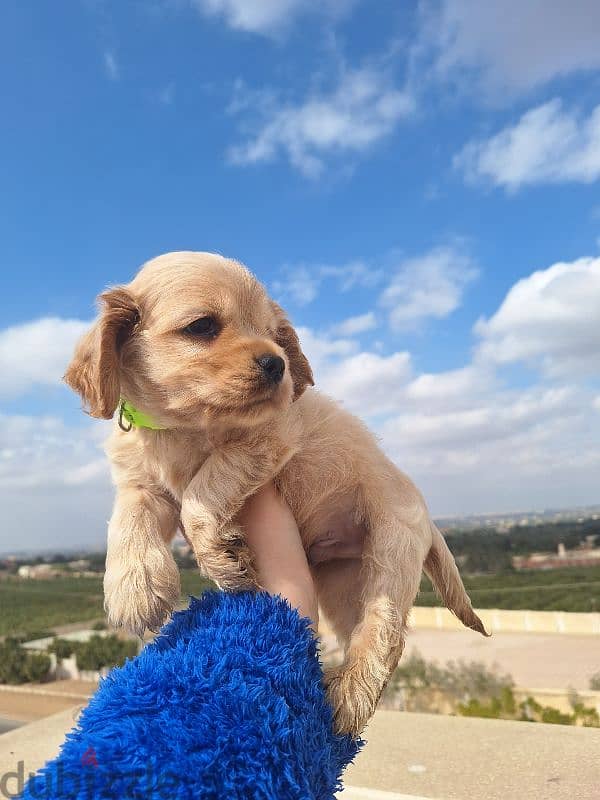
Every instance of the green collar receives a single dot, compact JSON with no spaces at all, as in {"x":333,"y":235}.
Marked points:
{"x":135,"y":418}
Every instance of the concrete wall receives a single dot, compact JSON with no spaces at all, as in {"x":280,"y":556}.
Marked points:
{"x":500,"y":620}
{"x":436,"y":701}
{"x":556,"y":698}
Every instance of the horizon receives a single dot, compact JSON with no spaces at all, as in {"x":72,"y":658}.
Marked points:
{"x":451,"y":518}
{"x":417,"y":187}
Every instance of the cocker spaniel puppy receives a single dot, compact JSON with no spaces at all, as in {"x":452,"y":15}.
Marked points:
{"x":196,"y":345}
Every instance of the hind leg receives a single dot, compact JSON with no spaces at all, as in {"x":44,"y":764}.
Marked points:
{"x":391,"y":571}
{"x":338,"y":585}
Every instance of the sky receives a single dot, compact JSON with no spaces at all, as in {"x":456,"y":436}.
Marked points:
{"x":417,"y":183}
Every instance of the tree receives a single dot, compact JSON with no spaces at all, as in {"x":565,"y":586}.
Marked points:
{"x":63,"y":648}
{"x":474,"y":690}
{"x":104,"y":651}
{"x":19,"y":666}
{"x":595,"y":682}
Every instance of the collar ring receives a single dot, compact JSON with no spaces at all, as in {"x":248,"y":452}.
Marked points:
{"x":122,"y":414}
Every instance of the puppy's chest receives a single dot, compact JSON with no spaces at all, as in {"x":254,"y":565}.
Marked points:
{"x":177,"y":466}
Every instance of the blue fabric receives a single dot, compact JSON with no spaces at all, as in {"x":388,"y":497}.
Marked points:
{"x":226,"y":703}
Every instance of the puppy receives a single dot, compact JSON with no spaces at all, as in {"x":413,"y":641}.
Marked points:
{"x":195,"y":343}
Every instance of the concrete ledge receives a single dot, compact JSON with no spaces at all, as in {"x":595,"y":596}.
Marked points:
{"x":50,"y":689}
{"x":32,"y":745}
{"x":357,"y":793}
{"x":414,"y":757}
{"x":455,"y":758}
{"x":498,"y":620}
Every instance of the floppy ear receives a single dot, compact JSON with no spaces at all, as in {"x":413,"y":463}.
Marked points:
{"x":94,"y":371}
{"x":287,"y":338}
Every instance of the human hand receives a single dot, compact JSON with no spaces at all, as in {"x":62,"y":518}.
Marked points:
{"x":279,"y":557}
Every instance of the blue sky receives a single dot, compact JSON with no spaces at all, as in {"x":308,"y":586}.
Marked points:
{"x":417,"y":185}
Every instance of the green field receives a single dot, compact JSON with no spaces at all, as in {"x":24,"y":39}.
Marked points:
{"x":29,"y":606}
{"x":574,"y":589}
{"x":32,"y":606}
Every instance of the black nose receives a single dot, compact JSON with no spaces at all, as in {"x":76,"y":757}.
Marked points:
{"x":272,"y":366}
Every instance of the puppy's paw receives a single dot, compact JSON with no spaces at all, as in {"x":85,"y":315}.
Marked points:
{"x":232,"y":569}
{"x":353,"y":697}
{"x":141,"y":595}
{"x":227,"y":560}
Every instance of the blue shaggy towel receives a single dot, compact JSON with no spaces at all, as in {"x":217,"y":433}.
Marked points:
{"x":226,"y":703}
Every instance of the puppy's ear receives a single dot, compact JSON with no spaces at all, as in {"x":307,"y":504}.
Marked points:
{"x":94,"y":371}
{"x":287,"y":338}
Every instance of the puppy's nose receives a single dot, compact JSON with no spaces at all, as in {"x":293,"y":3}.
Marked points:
{"x":272,"y":366}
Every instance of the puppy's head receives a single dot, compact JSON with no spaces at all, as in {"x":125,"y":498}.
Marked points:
{"x":193,"y":339}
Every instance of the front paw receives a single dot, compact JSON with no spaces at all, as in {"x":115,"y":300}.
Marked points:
{"x":352,"y":695}
{"x":226,"y":559}
{"x":231,"y":568}
{"x":139,"y":596}
{"x":231,"y":575}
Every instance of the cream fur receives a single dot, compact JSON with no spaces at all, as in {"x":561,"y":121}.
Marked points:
{"x":226,"y":435}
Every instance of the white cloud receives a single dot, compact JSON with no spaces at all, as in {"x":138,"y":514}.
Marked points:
{"x":46,"y":452}
{"x":373,"y":384}
{"x":511,"y":47}
{"x":54,"y":479}
{"x":363,"y":108}
{"x":268,"y":17}
{"x":547,"y":145}
{"x":55,"y":488}
{"x":36,"y":353}
{"x":512,"y":449}
{"x":86,"y":473}
{"x":354,"y":273}
{"x":301,"y":283}
{"x":470,"y":443}
{"x":367,"y":383}
{"x":111,"y":65}
{"x":427,"y":286}
{"x":492,"y":420}
{"x":321,"y":349}
{"x":458,"y":387}
{"x":354,"y":325}
{"x":549,"y":320}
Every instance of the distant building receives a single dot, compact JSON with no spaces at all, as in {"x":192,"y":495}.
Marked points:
{"x":80,"y":564}
{"x":586,"y":555}
{"x":38,"y":571}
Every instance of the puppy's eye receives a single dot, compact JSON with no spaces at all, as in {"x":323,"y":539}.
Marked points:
{"x":203,"y":328}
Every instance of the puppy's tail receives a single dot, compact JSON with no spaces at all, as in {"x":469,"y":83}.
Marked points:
{"x":443,"y":573}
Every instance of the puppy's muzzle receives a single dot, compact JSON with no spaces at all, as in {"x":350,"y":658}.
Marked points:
{"x":272,"y":367}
